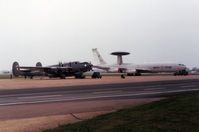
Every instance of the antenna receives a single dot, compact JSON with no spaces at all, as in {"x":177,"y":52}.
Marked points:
{"x":119,"y":56}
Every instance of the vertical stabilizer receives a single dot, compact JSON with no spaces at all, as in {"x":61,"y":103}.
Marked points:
{"x":38,"y":64}
{"x":97,"y":57}
{"x":15,"y":69}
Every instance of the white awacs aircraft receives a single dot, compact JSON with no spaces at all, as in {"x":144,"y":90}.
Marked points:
{"x":132,"y":69}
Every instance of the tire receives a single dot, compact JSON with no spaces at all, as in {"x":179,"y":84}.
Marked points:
{"x":62,"y":76}
{"x":80,"y":76}
{"x":96,"y":75}
{"x":130,"y":74}
{"x":122,"y":76}
{"x":137,"y":74}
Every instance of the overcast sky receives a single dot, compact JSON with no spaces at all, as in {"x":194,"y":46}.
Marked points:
{"x":66,"y":30}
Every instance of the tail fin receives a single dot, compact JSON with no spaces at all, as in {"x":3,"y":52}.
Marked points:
{"x":38,"y":64}
{"x":15,"y":69}
{"x":97,"y":57}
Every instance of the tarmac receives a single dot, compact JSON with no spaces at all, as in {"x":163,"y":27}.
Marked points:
{"x":103,"y":96}
{"x":10,"y":84}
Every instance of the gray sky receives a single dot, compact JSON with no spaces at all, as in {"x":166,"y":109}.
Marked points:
{"x":66,"y":30}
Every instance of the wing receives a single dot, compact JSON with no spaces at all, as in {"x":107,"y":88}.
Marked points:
{"x":102,"y":67}
{"x":34,"y":68}
{"x":46,"y":69}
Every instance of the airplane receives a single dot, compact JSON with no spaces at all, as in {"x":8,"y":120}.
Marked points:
{"x":136,"y":70}
{"x":61,"y":70}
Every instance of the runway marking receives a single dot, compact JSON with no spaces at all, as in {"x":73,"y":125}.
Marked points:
{"x":188,"y":86}
{"x":44,"y":96}
{"x":107,"y":96}
{"x":150,"y":89}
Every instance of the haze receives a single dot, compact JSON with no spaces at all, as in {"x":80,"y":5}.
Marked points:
{"x":66,"y":30}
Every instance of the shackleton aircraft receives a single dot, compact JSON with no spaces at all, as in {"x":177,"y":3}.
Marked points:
{"x":61,"y":70}
{"x":137,"y":70}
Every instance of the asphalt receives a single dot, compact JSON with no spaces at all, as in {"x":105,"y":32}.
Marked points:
{"x":97,"y":92}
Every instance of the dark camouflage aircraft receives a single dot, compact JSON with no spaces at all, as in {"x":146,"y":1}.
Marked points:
{"x":62,"y":70}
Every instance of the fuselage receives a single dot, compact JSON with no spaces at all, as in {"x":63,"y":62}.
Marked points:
{"x":68,"y":69}
{"x":143,"y":68}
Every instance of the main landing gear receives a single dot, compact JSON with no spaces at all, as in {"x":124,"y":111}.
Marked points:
{"x":96,"y":75}
{"x":134,"y":74}
{"x":182,"y":73}
{"x":122,"y":76}
{"x":80,"y":76}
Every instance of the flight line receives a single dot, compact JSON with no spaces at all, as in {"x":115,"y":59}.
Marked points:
{"x":77,"y":69}
{"x":24,"y":98}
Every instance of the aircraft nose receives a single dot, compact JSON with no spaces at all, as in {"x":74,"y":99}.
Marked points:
{"x":88,"y":66}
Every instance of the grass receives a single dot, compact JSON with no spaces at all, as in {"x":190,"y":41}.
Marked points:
{"x":4,"y":76}
{"x":176,"y":114}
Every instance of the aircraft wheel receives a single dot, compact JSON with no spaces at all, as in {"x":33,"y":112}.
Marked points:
{"x":122,"y":76}
{"x":185,"y":73}
{"x":137,"y":74}
{"x":96,"y":75}
{"x":80,"y":76}
{"x":62,"y":76}
{"x":130,"y":74}
{"x":83,"y":76}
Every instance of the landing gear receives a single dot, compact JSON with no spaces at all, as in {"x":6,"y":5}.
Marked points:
{"x":80,"y":76}
{"x":130,"y":74}
{"x":96,"y":75}
{"x":134,"y":74}
{"x":62,"y":76}
{"x":122,"y":76}
{"x":182,"y":73}
{"x":138,"y":74}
